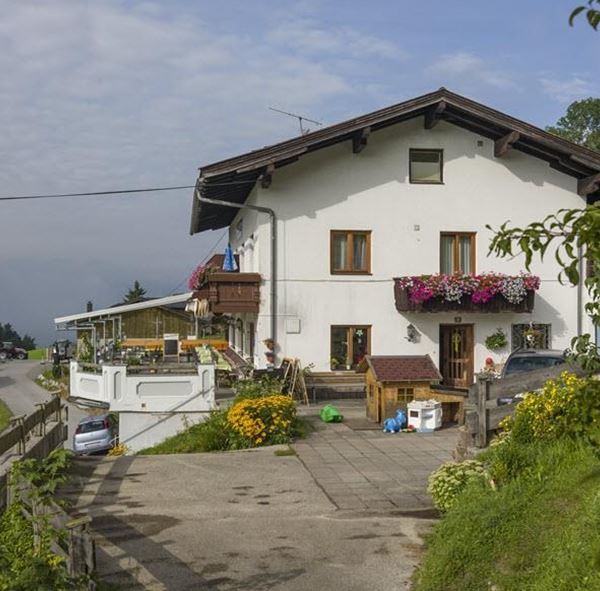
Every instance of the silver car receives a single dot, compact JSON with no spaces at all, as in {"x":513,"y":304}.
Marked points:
{"x":95,"y":434}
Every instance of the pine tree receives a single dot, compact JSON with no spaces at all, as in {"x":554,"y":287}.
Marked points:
{"x":135,"y":294}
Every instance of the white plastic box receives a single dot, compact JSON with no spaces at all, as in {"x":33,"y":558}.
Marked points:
{"x":424,"y":415}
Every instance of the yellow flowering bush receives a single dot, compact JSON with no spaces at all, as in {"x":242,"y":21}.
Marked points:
{"x":568,"y":405}
{"x":262,"y":421}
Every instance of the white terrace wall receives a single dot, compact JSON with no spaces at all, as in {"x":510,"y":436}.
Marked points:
{"x":151,"y":407}
{"x":335,"y":189}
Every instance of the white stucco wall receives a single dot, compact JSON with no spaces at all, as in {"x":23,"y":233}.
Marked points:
{"x":335,"y":189}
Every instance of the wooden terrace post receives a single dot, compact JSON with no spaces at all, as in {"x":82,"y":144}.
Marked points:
{"x":483,"y":390}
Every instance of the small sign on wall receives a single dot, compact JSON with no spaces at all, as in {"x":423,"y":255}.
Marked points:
{"x":292,"y":325}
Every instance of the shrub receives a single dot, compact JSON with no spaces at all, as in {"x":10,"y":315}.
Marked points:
{"x":566,"y":406}
{"x":262,"y":421}
{"x":213,"y":434}
{"x":257,"y":388}
{"x":451,"y":479}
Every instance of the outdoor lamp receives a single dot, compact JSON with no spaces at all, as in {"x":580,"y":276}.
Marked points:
{"x":412,"y":334}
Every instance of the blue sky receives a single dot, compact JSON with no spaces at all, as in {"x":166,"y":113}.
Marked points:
{"x":113,"y":94}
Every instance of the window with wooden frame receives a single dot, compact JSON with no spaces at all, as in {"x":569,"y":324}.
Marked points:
{"x":348,"y":346}
{"x":457,"y":252}
{"x":405,"y":395}
{"x":350,"y":252}
{"x":426,"y":166}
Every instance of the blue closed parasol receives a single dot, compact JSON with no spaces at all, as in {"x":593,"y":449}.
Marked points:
{"x":229,"y":263}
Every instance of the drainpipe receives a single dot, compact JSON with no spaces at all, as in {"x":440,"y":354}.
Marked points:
{"x":273,"y":221}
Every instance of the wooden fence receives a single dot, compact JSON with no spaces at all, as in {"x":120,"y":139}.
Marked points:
{"x":490,"y":400}
{"x":77,"y":548}
{"x":31,"y":436}
{"x":35,"y":436}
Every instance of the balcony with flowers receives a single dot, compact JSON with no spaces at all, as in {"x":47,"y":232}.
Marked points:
{"x":224,"y":292}
{"x":487,"y":292}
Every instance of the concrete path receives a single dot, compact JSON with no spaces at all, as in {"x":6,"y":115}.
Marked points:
{"x":20,"y":393}
{"x":235,"y":521}
{"x":17,"y":390}
{"x":368,"y":470}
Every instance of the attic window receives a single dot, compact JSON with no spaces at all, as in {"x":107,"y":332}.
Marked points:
{"x":426,"y":166}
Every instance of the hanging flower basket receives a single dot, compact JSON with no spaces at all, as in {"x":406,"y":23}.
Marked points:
{"x":496,"y":340}
{"x":199,"y":277}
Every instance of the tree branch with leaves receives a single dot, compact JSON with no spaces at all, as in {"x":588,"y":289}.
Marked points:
{"x":591,"y":14}
{"x":573,"y":235}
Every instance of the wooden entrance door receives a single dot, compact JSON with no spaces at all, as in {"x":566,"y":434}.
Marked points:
{"x":456,"y":354}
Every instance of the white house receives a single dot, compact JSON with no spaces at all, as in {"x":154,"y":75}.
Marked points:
{"x":330,"y":219}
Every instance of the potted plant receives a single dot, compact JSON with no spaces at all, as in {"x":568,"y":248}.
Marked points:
{"x":496,"y":340}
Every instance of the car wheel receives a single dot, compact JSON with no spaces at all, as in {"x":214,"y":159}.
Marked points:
{"x":22,"y":356}
{"x":3,"y":355}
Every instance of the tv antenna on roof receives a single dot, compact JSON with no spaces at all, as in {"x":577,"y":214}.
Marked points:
{"x":301,"y":118}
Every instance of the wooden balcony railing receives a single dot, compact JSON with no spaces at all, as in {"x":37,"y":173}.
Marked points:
{"x":228,"y":293}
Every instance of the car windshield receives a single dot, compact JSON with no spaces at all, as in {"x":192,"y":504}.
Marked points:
{"x":90,"y":426}
{"x":519,"y":364}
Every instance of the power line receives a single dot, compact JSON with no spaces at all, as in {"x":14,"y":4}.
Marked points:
{"x":210,"y":252}
{"x":92,"y":193}
{"x":118,"y":192}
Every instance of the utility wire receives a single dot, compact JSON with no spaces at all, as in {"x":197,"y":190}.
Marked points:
{"x":92,"y":193}
{"x":119,"y":192}
{"x":210,"y":253}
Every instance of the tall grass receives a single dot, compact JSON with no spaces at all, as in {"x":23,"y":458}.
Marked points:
{"x":5,"y":415}
{"x":539,"y":531}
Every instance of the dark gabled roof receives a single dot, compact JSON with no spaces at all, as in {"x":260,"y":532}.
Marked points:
{"x":401,"y":368}
{"x":233,"y":179}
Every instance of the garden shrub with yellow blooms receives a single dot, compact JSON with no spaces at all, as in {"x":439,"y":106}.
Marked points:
{"x":266,"y":420}
{"x":566,"y":406}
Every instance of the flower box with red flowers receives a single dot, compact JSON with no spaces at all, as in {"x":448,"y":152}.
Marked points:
{"x":487,"y":292}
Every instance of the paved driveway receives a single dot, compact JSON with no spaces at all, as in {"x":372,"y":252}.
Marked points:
{"x":364,"y":469}
{"x":239,"y":521}
{"x":346,"y":513}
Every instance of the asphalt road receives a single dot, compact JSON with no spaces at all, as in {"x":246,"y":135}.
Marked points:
{"x":17,"y":390}
{"x":20,"y":393}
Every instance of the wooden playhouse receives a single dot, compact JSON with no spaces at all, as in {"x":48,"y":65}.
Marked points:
{"x":392,"y":381}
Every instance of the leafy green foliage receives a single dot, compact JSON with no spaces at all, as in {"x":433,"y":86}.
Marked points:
{"x":44,"y":475}
{"x":257,"y":388}
{"x":591,"y":14}
{"x":211,"y":435}
{"x":566,"y":407}
{"x":28,"y":563}
{"x":538,"y":530}
{"x":218,"y":432}
{"x":581,"y":123}
{"x":496,"y":340}
{"x":574,"y":236}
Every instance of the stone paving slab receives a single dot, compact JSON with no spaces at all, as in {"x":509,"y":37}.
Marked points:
{"x":367,"y":470}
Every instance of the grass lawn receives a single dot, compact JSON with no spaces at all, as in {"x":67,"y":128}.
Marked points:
{"x":5,"y":415}
{"x":39,"y":354}
{"x":539,"y":531}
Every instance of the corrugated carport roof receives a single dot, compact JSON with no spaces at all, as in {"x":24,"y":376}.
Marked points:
{"x":233,"y":179}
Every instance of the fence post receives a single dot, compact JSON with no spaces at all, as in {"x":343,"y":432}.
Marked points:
{"x":18,"y":423}
{"x":483,"y":390}
{"x":41,"y":426}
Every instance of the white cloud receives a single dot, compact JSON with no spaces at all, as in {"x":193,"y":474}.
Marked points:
{"x":309,"y":38}
{"x":566,"y":91}
{"x":115,"y":94}
{"x":464,"y":68}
